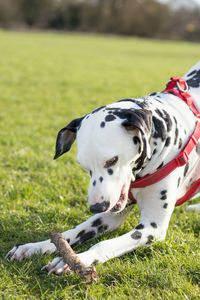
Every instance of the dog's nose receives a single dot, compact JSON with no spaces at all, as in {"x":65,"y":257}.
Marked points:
{"x":99,"y":207}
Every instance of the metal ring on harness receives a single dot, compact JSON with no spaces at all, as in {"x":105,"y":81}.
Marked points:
{"x":185,"y":90}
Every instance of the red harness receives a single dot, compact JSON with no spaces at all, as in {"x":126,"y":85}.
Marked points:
{"x":179,"y":88}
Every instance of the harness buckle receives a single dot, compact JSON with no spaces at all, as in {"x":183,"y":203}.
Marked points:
{"x":182,"y":159}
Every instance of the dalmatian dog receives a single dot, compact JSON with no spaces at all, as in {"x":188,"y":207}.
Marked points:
{"x":117,"y":144}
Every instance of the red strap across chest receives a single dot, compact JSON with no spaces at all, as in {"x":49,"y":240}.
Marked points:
{"x":178,"y":87}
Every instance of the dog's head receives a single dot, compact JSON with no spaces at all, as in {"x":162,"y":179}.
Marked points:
{"x":111,"y":141}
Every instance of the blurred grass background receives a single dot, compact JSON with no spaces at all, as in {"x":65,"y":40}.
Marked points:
{"x":46,"y":80}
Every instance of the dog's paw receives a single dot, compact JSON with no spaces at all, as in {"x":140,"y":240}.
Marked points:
{"x":19,"y":251}
{"x":57,"y":266}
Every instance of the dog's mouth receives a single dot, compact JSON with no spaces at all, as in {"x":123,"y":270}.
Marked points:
{"x":121,"y":203}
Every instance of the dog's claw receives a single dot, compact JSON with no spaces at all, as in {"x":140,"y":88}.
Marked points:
{"x":57,"y":266}
{"x":44,"y":268}
{"x":11,"y":253}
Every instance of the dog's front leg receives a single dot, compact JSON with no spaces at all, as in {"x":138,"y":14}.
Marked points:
{"x":91,"y":228}
{"x":108,"y":249}
{"x":156,"y":206}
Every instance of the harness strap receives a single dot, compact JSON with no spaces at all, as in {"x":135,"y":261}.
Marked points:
{"x":179,"y":88}
{"x":189,"y":193}
{"x":179,"y":161}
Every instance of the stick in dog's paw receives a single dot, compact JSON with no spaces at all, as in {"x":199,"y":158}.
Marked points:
{"x":88,"y":274}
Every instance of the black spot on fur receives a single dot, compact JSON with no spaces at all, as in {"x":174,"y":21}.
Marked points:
{"x":138,"y":163}
{"x":102,"y":124}
{"x":139,"y":227}
{"x":186,"y":169}
{"x":163,"y":192}
{"x":140,"y":149}
{"x":160,"y":166}
{"x":136,"y":140}
{"x":180,"y":143}
{"x":191,"y":73}
{"x":80,"y":233}
{"x":97,"y":109}
{"x":168,"y":120}
{"x":68,"y":240}
{"x":195,"y":80}
{"x":97,"y":222}
{"x":94,"y":182}
{"x":179,"y":180}
{"x":149,"y":239}
{"x":159,"y":112}
{"x":109,"y":118}
{"x":167,"y":142}
{"x":159,"y":129}
{"x":102,"y":228}
{"x":110,"y":171}
{"x":154,"y":151}
{"x":158,"y":96}
{"x":175,"y":120}
{"x":155,"y":143}
{"x":164,"y":197}
{"x":154,"y":225}
{"x":88,"y":235}
{"x":136,"y":235}
{"x":165,"y":205}
{"x":176,"y":131}
{"x":100,"y":178}
{"x":176,"y":136}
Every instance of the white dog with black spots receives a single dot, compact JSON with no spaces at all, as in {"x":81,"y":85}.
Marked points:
{"x":117,"y":144}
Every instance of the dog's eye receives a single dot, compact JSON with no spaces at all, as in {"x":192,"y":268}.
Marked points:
{"x":111,"y":162}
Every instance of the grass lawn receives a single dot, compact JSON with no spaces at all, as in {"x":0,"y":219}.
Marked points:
{"x":46,"y":80}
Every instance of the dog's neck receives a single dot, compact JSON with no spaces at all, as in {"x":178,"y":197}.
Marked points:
{"x":170,"y":130}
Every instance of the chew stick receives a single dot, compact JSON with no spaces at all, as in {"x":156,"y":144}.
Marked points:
{"x":72,"y":260}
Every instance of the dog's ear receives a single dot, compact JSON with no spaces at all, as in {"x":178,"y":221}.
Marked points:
{"x":142,"y":120}
{"x":66,"y":136}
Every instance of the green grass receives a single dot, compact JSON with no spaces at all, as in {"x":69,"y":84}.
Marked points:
{"x":45,"y":81}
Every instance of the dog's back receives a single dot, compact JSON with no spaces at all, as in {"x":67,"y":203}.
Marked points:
{"x":193,"y":80}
